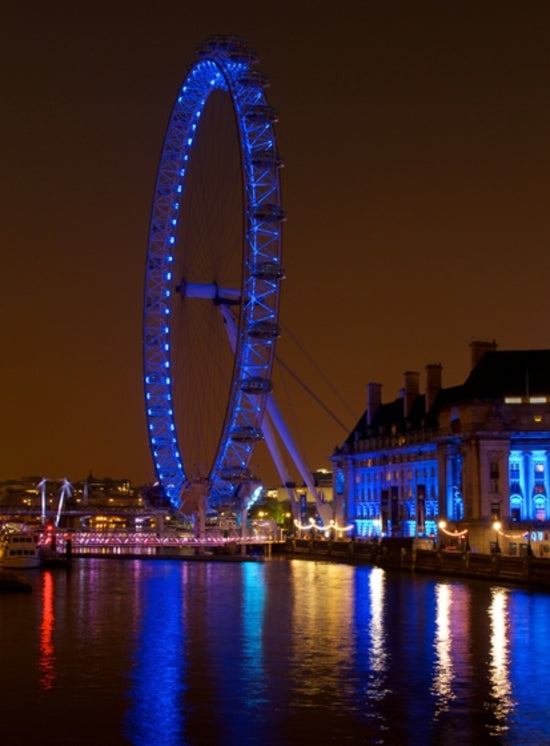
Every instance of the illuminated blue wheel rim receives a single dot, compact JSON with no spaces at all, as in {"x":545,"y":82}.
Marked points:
{"x":181,"y":274}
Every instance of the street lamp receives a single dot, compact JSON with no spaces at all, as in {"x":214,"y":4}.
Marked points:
{"x":442,"y":526}
{"x":497,"y":526}
{"x":529,"y":547}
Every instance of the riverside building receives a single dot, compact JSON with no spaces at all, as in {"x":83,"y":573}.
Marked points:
{"x":466,"y":466}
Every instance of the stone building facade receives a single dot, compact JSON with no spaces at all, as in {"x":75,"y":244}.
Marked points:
{"x":466,"y":465}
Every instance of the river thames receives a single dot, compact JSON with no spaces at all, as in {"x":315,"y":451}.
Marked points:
{"x":166,"y":652}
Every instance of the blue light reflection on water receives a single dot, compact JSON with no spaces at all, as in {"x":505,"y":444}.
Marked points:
{"x":157,"y":679}
{"x":190,"y":653}
{"x":529,"y":666}
{"x":352,"y":653}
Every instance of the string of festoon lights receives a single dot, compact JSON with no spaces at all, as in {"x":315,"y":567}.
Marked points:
{"x":324,"y":528}
{"x":442,"y":525}
{"x":497,"y":526}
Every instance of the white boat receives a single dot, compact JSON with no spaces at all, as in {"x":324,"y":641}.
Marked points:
{"x":18,"y":549}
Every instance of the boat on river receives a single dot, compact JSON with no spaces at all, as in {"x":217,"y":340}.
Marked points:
{"x":18,"y":549}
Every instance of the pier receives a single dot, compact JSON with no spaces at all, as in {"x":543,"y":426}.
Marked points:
{"x":148,"y":544}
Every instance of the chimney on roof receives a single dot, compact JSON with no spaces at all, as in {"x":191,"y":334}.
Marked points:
{"x":410,"y":391}
{"x":478,"y":348}
{"x":374,"y":400}
{"x":433,"y":384}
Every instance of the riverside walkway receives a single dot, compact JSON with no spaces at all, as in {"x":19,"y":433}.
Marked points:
{"x":406,"y":555}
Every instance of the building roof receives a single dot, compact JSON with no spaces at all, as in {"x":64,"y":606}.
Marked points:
{"x":510,"y":373}
{"x":498,"y":374}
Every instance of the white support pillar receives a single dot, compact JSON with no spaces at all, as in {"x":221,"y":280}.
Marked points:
{"x":325,"y":511}
{"x":282,"y":470}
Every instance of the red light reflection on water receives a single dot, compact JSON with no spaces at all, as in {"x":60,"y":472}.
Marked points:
{"x":47,"y":656}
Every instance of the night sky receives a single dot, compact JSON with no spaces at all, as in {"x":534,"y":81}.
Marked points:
{"x":415,"y":137}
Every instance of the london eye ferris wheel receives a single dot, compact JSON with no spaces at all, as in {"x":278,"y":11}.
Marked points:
{"x":213,"y":276}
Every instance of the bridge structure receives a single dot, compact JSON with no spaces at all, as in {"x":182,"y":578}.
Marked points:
{"x":168,"y":544}
{"x":158,"y":539}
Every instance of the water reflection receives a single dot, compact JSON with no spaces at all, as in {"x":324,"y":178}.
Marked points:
{"x":281,"y":652}
{"x":322,"y":644}
{"x":373,"y":649}
{"x":155,"y":717}
{"x":378,"y":653}
{"x":336,"y":649}
{"x":253,"y":603}
{"x":47,"y":651}
{"x":499,"y":674}
{"x":443,"y":669}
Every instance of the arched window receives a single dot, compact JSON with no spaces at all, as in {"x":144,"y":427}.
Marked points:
{"x":516,"y":507}
{"x":540,"y":508}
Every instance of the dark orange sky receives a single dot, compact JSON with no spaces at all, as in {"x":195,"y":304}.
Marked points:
{"x":416,"y":185}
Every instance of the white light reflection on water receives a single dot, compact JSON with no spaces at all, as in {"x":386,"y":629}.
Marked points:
{"x":378,"y":657}
{"x":378,"y":654}
{"x":499,"y":661}
{"x":443,"y":667}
